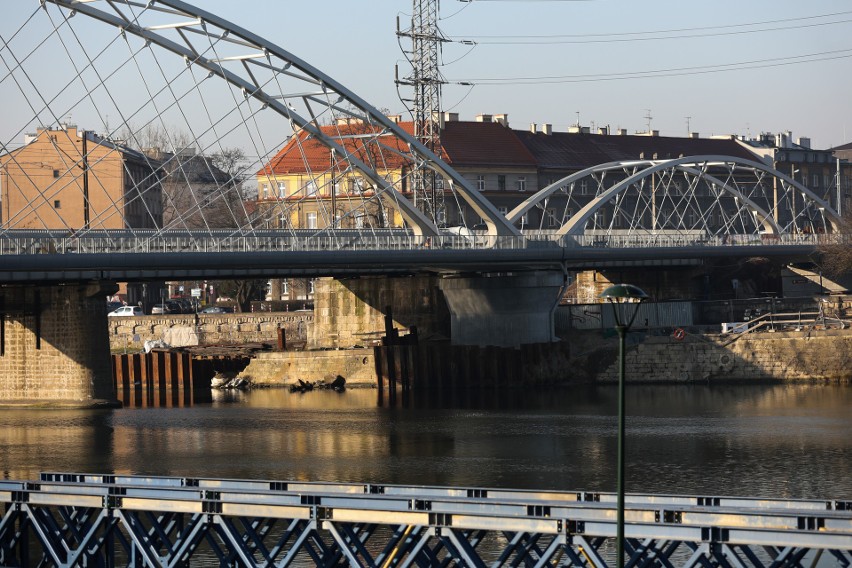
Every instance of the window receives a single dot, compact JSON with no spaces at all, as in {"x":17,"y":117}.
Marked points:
{"x":56,"y":173}
{"x":521,"y":184}
{"x":677,"y":188}
{"x":584,"y":187}
{"x":616,"y":220}
{"x":282,"y":189}
{"x":264,"y":191}
{"x":285,"y":287}
{"x":480,"y":183}
{"x":57,"y":204}
{"x":503,"y":211}
{"x":338,"y":187}
{"x":524,"y":220}
{"x":567,"y":216}
{"x":310,"y":286}
{"x":551,"y":217}
{"x":282,"y":221}
{"x":311,"y":220}
{"x":311,"y":188}
{"x":501,"y":182}
{"x":815,"y":178}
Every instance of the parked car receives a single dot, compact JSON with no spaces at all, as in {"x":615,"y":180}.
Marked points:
{"x":112,"y":306}
{"x":167,"y":307}
{"x":214,"y":310}
{"x":126,"y":311}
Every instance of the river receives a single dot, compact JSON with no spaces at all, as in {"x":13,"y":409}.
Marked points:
{"x":790,"y":441}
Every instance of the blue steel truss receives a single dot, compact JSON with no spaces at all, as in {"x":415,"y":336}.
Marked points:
{"x":108,"y":520}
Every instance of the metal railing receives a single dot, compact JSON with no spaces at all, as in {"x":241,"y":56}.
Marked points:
{"x":141,"y":242}
{"x":153,"y":520}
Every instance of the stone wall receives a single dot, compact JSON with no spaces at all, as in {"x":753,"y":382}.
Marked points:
{"x":59,"y":357}
{"x":350,"y":312}
{"x":788,"y":356}
{"x":207,"y":329}
{"x":357,"y":366}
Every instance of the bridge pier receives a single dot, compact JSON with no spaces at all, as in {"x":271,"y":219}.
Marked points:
{"x":54,"y":348}
{"x":503,"y":310}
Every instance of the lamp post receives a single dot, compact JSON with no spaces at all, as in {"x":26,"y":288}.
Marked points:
{"x":621,"y":294}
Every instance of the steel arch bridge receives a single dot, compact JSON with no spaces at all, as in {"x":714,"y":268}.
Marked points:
{"x":194,"y":114}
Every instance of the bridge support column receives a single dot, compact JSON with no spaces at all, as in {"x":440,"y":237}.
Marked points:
{"x":54,"y":349}
{"x":503,"y":310}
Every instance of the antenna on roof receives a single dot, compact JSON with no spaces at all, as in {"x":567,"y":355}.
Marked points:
{"x":648,"y":117}
{"x":687,"y":125}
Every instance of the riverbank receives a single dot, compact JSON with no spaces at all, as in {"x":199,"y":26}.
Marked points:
{"x":581,"y":357}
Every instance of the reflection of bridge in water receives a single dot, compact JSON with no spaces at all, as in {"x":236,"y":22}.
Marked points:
{"x":83,"y":519}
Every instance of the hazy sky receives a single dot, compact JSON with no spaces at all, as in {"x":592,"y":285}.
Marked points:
{"x":801,"y":51}
{"x":545,"y":61}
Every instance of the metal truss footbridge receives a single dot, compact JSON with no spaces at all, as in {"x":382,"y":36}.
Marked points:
{"x":105,"y":520}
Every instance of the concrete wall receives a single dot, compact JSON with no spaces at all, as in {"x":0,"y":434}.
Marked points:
{"x":350,"y":312}
{"x":503,"y":310}
{"x":61,"y":357}
{"x":357,"y":366}
{"x":208,"y":329}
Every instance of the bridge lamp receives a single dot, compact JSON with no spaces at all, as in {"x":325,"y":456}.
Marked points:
{"x":622,"y":294}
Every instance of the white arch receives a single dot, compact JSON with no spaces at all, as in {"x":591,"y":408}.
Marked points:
{"x":267,"y":56}
{"x":576,"y":224}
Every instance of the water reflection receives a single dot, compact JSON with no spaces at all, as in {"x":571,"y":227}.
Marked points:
{"x":785,"y":441}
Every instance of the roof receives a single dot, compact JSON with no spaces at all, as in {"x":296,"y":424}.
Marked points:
{"x":303,"y":148}
{"x":847,"y":146}
{"x":491,"y":144}
{"x":471,"y":144}
{"x":563,"y":150}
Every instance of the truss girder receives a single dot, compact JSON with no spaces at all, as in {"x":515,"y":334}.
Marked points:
{"x":73,"y":520}
{"x":637,"y":173}
{"x":325,"y":95}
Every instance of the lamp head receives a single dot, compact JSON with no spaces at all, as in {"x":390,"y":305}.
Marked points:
{"x":623,"y":293}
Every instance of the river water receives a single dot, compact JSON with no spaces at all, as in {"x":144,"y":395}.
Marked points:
{"x":790,"y":441}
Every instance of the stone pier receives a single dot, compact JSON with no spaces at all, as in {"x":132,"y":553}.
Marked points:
{"x":54,"y":349}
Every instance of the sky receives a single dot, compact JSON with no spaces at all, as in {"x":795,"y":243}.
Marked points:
{"x":800,"y":80}
{"x":720,"y":67}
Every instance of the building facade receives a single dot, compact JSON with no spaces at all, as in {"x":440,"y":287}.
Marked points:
{"x":73,"y":179}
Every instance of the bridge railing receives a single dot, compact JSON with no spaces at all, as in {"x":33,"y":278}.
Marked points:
{"x":47,"y":242}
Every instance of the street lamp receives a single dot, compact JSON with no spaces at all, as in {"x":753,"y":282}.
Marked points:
{"x":621,"y":294}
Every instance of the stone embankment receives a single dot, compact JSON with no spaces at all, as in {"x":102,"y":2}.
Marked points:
{"x":583,"y":357}
{"x":131,"y":333}
{"x":810,"y":355}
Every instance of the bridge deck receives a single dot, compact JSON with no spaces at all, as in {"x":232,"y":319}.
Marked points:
{"x":168,"y":519}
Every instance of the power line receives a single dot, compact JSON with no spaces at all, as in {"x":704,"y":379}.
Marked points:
{"x":670,"y":72}
{"x":678,"y":30}
{"x":636,"y":36}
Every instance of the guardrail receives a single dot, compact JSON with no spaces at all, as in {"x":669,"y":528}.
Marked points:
{"x":48,"y":242}
{"x":155,"y":520}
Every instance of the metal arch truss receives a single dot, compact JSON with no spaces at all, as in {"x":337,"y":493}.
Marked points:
{"x":95,"y":520}
{"x":701,"y":196}
{"x":176,"y":50}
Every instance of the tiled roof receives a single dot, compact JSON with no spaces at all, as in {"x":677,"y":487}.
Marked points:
{"x":304,"y":148}
{"x":472,"y":144}
{"x":847,"y":146}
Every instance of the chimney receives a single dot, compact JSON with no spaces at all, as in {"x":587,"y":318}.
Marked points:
{"x":604,"y":130}
{"x":694,"y":135}
{"x":395,"y":118}
{"x":451,"y":117}
{"x":622,"y":132}
{"x":533,"y":127}
{"x":483,"y":118}
{"x":805,"y":142}
{"x":547,"y":128}
{"x":502,"y":119}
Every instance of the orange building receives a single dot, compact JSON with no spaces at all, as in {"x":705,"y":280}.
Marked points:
{"x":72,"y":179}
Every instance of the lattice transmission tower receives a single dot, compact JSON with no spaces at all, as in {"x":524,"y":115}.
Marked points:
{"x":426,"y":80}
